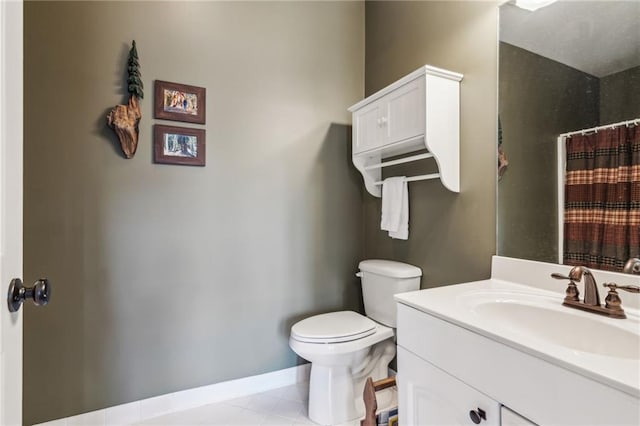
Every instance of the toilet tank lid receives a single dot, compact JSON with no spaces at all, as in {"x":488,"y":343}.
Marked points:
{"x":390,"y":268}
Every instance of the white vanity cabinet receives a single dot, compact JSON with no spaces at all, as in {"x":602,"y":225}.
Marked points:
{"x":429,"y":396}
{"x":446,"y":370}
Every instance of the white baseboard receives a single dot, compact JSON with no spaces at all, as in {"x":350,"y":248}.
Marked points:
{"x":138,"y":411}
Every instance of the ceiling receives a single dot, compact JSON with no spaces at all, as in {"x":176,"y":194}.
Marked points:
{"x":597,"y":37}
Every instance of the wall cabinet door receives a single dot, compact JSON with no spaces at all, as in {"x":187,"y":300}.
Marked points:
{"x":405,"y":112}
{"x":397,"y":116}
{"x":430,"y":397}
{"x":367,"y":133}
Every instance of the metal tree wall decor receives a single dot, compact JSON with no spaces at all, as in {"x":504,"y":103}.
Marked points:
{"x":124,"y":119}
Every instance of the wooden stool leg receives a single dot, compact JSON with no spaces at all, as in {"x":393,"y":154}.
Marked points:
{"x":369,"y":397}
{"x":370,"y":404}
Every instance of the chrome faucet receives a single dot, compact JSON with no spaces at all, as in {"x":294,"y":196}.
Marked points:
{"x":591,"y":295}
{"x":591,"y":301}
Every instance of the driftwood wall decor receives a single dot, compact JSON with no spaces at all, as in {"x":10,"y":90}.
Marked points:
{"x":124,"y":119}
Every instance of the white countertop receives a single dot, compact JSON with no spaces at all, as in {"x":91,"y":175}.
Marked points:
{"x":462,"y":304}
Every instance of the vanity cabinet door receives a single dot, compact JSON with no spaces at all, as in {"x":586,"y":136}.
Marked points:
{"x":509,"y":418}
{"x":430,"y":397}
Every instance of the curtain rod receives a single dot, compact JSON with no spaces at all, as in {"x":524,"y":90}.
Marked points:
{"x":635,"y":121}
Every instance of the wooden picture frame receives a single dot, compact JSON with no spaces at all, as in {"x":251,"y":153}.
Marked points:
{"x":179,"y":145}
{"x":179,"y":102}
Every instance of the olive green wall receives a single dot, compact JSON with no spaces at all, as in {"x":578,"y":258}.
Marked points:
{"x":171,"y":277}
{"x":620,"y":96}
{"x":451,"y":235}
{"x":539,"y":99}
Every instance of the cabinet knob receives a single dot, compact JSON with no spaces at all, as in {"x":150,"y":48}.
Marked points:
{"x":477,"y":416}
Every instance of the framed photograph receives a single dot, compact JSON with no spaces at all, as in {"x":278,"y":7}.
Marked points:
{"x":178,"y":145}
{"x":179,"y":102}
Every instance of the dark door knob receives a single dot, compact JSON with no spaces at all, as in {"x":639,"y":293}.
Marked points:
{"x":477,"y":416}
{"x":18,"y":293}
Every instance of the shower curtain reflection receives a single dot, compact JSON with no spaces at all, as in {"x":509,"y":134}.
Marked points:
{"x":602,"y":198}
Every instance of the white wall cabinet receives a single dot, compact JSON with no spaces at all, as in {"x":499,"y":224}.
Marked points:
{"x":420,"y":111}
{"x":429,"y":396}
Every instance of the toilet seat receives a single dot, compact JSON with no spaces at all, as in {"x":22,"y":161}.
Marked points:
{"x":334,"y":327}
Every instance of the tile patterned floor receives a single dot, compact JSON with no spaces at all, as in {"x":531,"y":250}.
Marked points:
{"x":285,"y":406}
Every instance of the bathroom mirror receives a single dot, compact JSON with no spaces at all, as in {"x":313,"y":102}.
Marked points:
{"x":568,"y":66}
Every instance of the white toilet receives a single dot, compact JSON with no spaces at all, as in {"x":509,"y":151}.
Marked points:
{"x":345,"y":348}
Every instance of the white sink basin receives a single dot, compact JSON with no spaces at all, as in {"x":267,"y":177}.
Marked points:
{"x":563,"y":327}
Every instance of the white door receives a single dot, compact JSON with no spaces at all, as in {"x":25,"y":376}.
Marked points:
{"x":10,"y":207}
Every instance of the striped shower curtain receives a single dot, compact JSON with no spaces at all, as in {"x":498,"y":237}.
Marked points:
{"x":602,"y":198}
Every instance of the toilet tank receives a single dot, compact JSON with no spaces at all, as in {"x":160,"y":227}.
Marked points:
{"x":381,"y":279}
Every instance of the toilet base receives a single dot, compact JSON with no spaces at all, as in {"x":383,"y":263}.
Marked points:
{"x":331,"y":395}
{"x":335,"y":392}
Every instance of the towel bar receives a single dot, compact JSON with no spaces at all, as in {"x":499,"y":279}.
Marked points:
{"x":399,"y":161}
{"x":415,"y":178}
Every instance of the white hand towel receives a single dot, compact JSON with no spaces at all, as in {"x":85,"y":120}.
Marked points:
{"x":395,"y":207}
{"x":403,"y":229}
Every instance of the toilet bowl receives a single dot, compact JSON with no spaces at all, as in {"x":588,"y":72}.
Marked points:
{"x":341,"y":361}
{"x":345,"y":348}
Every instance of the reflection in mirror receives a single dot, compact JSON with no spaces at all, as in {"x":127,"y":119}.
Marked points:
{"x":570,"y":66}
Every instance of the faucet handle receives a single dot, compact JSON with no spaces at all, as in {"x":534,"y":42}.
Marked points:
{"x":613,"y":301}
{"x":572,"y":294}
{"x":629,"y":288}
